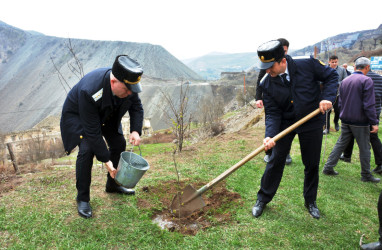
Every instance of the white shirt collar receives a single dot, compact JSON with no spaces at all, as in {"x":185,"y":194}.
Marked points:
{"x":286,"y":72}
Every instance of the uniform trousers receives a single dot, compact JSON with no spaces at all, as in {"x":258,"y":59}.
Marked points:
{"x":310,"y":146}
{"x":336,"y":115}
{"x":380,"y":215}
{"x":84,"y":163}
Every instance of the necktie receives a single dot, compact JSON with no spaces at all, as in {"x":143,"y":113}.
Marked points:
{"x":283,"y":76}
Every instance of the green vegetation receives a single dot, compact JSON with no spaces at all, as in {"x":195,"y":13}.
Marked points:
{"x":41,"y":212}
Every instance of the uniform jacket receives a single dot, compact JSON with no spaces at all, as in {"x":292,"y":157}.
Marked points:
{"x":285,"y":103}
{"x":91,"y":107}
{"x":357,"y":100}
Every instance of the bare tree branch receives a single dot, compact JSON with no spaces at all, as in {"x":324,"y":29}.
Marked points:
{"x":61,"y":78}
{"x":79,"y":68}
{"x":177,"y":113}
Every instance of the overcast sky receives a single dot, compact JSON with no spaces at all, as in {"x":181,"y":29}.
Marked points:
{"x":194,"y":28}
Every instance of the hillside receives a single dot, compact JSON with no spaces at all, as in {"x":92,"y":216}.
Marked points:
{"x":345,"y":46}
{"x":30,"y":89}
{"x":210,"y":66}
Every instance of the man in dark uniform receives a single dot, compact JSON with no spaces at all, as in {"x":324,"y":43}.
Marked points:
{"x":292,"y":93}
{"x":378,"y":244}
{"x":93,"y":110}
{"x":259,"y":98}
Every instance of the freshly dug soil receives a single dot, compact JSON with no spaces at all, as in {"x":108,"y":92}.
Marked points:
{"x":217,"y":211}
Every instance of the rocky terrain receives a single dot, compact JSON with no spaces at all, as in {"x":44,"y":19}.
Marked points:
{"x":30,"y":89}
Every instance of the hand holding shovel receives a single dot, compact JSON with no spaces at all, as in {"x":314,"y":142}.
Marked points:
{"x":190,"y":199}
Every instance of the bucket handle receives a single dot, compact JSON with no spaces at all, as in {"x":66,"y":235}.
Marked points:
{"x":132,"y":147}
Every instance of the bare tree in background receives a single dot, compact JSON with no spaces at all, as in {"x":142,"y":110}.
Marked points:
{"x":210,"y":115}
{"x":177,"y":113}
{"x":76,"y":68}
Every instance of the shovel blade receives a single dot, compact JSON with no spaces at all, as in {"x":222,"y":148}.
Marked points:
{"x":183,"y":204}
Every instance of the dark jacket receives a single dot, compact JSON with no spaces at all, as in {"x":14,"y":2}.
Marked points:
{"x":357,"y":100}
{"x":91,"y":107}
{"x":285,"y":103}
{"x":377,"y":79}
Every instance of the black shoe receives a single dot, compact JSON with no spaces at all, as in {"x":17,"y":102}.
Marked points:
{"x":113,"y":187}
{"x":313,"y":210}
{"x":288,"y":160}
{"x":370,"y":179}
{"x":378,"y":169}
{"x":328,"y":171}
{"x":325,"y":132}
{"x":370,"y":246}
{"x":120,"y":190}
{"x":345,"y":159}
{"x":266,"y":158}
{"x":84,"y":209}
{"x":337,"y":127}
{"x":258,"y":208}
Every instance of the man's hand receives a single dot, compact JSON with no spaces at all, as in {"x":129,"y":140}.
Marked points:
{"x":325,"y":105}
{"x":259,"y":104}
{"x":269,"y":143}
{"x":134,"y":138}
{"x":374,"y":129}
{"x":111,"y":169}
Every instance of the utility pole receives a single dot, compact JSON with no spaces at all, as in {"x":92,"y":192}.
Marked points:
{"x":245,"y":93}
{"x":13,"y":158}
{"x":315,"y":51}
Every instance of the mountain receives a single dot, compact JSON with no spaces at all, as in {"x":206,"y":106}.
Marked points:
{"x":346,"y":46}
{"x":211,"y":65}
{"x":30,"y":89}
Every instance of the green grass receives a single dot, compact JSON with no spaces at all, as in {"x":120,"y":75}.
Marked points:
{"x":41,"y":213}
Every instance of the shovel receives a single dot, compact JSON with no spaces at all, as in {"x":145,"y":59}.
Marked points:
{"x":189,"y":200}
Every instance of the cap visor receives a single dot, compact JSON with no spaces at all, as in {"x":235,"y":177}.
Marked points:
{"x":136,"y":88}
{"x":266,"y":65}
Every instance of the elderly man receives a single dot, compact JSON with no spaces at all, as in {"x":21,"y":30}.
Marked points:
{"x":290,"y":92}
{"x":93,"y":111}
{"x":358,"y":118}
{"x":374,"y":139}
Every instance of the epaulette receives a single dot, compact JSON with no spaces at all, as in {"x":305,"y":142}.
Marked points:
{"x":300,"y":57}
{"x":98,"y":95}
{"x":307,"y":57}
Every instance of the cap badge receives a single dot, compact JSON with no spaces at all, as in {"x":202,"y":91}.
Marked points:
{"x":128,"y":82}
{"x":266,"y":61}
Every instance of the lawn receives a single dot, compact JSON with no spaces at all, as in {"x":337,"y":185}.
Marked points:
{"x":41,"y":211}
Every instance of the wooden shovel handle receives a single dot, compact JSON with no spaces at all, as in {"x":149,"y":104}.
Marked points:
{"x":254,"y":153}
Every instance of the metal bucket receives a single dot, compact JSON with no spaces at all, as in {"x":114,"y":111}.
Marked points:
{"x":131,"y":168}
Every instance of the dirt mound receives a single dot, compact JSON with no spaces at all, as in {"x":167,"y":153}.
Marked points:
{"x":244,"y":118}
{"x":218,"y":201}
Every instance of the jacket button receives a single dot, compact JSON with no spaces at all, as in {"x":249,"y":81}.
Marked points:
{"x":103,"y":124}
{"x":291,"y":101}
{"x":81,"y":137}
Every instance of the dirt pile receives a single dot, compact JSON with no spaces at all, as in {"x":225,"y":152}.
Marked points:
{"x":244,"y":118}
{"x":218,"y":201}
